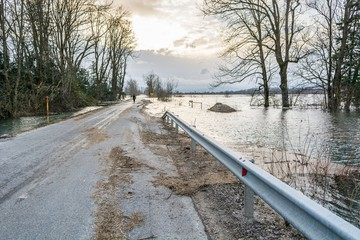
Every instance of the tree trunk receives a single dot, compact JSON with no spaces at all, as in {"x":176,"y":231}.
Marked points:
{"x":7,"y":100}
{"x":266,"y":94}
{"x":20,"y":57}
{"x":336,"y":94}
{"x":284,"y":86}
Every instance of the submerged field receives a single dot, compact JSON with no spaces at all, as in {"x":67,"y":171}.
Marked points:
{"x":312,"y":150}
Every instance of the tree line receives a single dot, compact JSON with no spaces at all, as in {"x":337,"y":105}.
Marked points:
{"x":155,"y":87}
{"x":320,"y":38}
{"x":73,"y":51}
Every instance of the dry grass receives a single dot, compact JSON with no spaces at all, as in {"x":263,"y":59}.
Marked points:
{"x":309,"y":169}
{"x":182,"y":186}
{"x":194,"y":170}
{"x":110,"y":221}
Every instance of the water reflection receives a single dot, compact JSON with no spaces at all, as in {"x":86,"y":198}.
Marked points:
{"x":23,"y":124}
{"x":316,"y":133}
{"x":309,"y":133}
{"x":276,"y":128}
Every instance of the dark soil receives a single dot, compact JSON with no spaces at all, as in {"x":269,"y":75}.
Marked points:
{"x":219,"y":107}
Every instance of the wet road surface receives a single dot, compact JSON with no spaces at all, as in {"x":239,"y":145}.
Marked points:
{"x":48,"y":178}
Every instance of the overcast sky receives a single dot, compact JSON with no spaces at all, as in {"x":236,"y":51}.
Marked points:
{"x":176,"y":42}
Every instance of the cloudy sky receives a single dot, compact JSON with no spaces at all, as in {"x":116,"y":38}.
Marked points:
{"x":176,"y":42}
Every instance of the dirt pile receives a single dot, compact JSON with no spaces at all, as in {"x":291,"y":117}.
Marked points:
{"x":219,"y":107}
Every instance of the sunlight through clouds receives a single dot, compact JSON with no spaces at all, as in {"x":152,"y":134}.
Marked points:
{"x":154,"y":33}
{"x":174,"y":27}
{"x":176,"y":42}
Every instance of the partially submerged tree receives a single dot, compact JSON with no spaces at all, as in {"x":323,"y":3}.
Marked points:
{"x":334,"y":61}
{"x":318,"y":68}
{"x":346,"y":80}
{"x":246,"y":54}
{"x":278,"y":21}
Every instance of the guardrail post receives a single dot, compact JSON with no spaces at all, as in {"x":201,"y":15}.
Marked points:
{"x":310,"y":218}
{"x":177,"y":128}
{"x":172,"y":123}
{"x":193,"y":146}
{"x":248,"y":198}
{"x":248,"y":202}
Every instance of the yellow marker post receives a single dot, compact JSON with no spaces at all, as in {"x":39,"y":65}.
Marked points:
{"x":47,"y":108}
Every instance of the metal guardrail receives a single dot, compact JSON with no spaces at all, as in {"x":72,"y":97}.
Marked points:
{"x":310,"y":218}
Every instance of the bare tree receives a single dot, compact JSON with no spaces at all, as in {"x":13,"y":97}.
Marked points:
{"x":17,"y":26}
{"x":4,"y":67}
{"x":121,"y":43}
{"x":331,"y":49}
{"x":43,"y":47}
{"x":171,"y":85}
{"x":350,"y":70}
{"x":318,"y":68}
{"x":71,"y":19}
{"x":132,"y":87}
{"x":39,"y":20}
{"x":152,"y":82}
{"x":99,"y":28}
{"x":279,"y":21}
{"x":246,"y":54}
{"x":336,"y":88}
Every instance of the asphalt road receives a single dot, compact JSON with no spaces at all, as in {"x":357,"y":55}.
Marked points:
{"x":48,"y":177}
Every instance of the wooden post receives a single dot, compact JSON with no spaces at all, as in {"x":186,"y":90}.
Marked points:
{"x":47,"y":105}
{"x":47,"y":109}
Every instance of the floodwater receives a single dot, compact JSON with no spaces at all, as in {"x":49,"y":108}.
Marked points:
{"x":23,"y":124}
{"x":301,"y":130}
{"x":292,"y":129}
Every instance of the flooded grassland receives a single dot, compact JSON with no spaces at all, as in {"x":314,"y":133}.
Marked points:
{"x":314,"y":151}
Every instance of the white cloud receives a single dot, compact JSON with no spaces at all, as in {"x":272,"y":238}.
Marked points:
{"x":178,"y":26}
{"x":191,"y":74}
{"x":184,"y":70}
{"x":175,"y":41}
